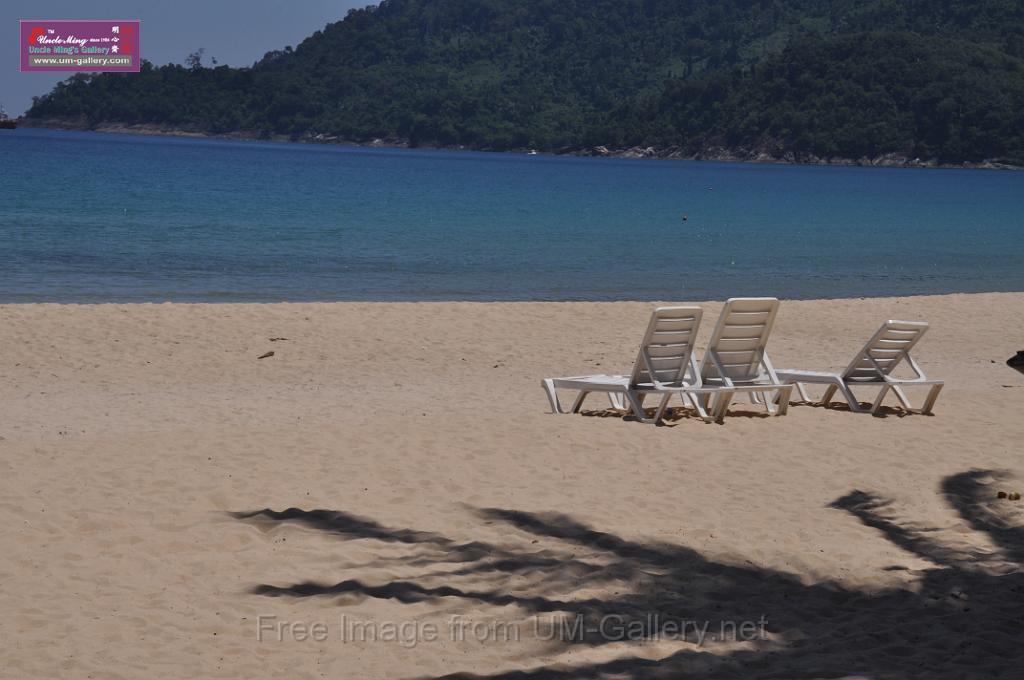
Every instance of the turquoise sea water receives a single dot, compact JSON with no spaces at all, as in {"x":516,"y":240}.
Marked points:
{"x":90,"y":217}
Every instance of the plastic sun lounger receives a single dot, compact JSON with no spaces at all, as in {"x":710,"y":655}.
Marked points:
{"x":736,"y":358}
{"x":873,"y":367}
{"x":664,"y":366}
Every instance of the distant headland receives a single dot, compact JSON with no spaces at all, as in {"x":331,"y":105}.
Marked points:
{"x":837,"y":82}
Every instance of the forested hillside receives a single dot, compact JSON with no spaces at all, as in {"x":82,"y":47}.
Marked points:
{"x":938,"y":79}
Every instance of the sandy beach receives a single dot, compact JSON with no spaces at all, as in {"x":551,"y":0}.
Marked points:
{"x":149,"y":460}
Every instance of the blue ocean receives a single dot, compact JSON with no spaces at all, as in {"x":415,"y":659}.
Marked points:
{"x":90,"y":217}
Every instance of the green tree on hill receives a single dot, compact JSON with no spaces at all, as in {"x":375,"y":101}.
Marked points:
{"x":937,"y":80}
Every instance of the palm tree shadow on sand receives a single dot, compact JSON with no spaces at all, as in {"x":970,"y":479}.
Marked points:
{"x":963,"y":619}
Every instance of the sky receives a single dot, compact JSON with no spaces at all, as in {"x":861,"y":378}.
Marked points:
{"x":235,"y":32}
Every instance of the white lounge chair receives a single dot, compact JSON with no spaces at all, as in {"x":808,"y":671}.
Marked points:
{"x":873,"y":367}
{"x":736,"y":358}
{"x":664,"y":366}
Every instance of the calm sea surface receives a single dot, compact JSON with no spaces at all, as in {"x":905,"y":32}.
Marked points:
{"x":89,"y":217}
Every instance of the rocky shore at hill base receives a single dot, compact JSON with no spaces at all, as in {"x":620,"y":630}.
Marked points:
{"x":717,"y":153}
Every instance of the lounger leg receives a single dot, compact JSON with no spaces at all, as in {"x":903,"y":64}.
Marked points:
{"x":830,"y":392}
{"x":905,"y":402}
{"x":879,"y":399}
{"x":851,"y":398}
{"x":780,"y":399}
{"x":721,"y":405}
{"x":802,"y":391}
{"x":579,"y":400}
{"x":711,"y":410}
{"x":933,"y":394}
{"x":783,"y":400}
{"x":636,"y":403}
{"x":549,"y":389}
{"x":692,"y":400}
{"x":929,"y":401}
{"x":616,"y":400}
{"x":662,"y":405}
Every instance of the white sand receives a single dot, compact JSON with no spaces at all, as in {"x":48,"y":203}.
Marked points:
{"x":129,"y":433}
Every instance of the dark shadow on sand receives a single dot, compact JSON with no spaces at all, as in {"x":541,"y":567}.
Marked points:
{"x":882,"y":412}
{"x":673,"y":416}
{"x":964,"y":618}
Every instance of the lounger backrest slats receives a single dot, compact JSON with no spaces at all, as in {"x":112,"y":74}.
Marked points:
{"x":885,"y":350}
{"x":739,"y":339}
{"x":667,"y":346}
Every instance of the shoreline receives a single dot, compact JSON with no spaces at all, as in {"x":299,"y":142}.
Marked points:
{"x":926,"y":299}
{"x":502,"y":301}
{"x":710,"y":154}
